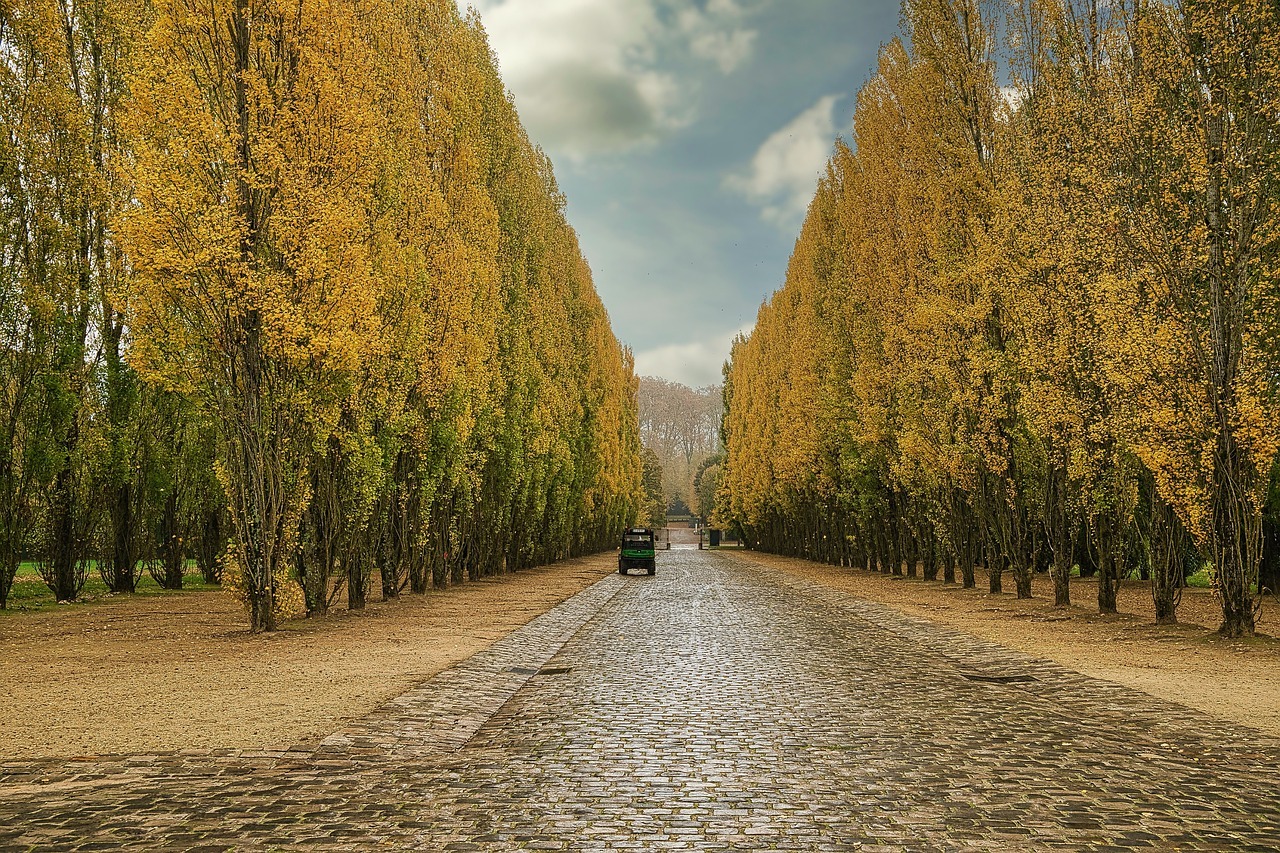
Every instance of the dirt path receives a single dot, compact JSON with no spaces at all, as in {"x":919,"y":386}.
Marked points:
{"x":1237,"y":681}
{"x":180,"y":671}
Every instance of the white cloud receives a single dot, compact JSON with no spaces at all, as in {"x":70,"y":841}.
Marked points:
{"x":581,"y":71}
{"x":784,"y":171}
{"x":591,"y":76}
{"x":1012,"y":97}
{"x":696,"y":364}
{"x":716,"y":35}
{"x":728,"y":50}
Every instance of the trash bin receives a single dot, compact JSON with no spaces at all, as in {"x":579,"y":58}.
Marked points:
{"x":715,"y":538}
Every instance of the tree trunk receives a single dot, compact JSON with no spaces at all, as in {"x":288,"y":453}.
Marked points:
{"x":439,"y":546}
{"x":8,"y":571}
{"x":1022,"y":577}
{"x":256,"y":449}
{"x":262,"y":610}
{"x":419,"y":581}
{"x":1061,"y":574}
{"x":912,"y":555}
{"x":119,"y":572}
{"x":1269,"y":564}
{"x":1236,"y":536}
{"x":356,"y":583}
{"x":930,"y":554}
{"x":12,"y":526}
{"x":1058,"y":535}
{"x":255,"y":457}
{"x":1108,"y":565}
{"x":388,"y":575}
{"x":963,"y":542}
{"x":968,"y":563}
{"x":124,"y":476}
{"x":209,"y":555}
{"x":66,"y":579}
{"x":172,"y":553}
{"x":1229,"y":118}
{"x":1169,"y":543}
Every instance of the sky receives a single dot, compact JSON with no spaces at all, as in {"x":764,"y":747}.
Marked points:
{"x":688,"y":137}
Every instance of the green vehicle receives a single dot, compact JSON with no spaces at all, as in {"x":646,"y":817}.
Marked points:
{"x":637,"y":551}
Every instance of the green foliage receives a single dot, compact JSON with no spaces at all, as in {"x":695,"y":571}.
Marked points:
{"x":1030,"y":327}
{"x":706,"y":485}
{"x":291,"y":293}
{"x":654,"y":513}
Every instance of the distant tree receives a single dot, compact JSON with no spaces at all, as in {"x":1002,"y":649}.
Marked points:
{"x":63,"y":86}
{"x":682,"y":425}
{"x":706,"y":485}
{"x":654,"y":513}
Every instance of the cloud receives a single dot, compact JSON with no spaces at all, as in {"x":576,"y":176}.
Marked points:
{"x":696,"y":364}
{"x":727,"y":49}
{"x":784,"y":171}
{"x":715,"y":34}
{"x":1012,"y":97}
{"x":577,"y":108}
{"x":582,"y":72}
{"x":591,"y":76}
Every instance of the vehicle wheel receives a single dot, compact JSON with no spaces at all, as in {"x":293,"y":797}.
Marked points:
{"x":653,"y":568}
{"x":622,"y":570}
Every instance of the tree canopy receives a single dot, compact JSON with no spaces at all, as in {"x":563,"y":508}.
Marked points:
{"x":287,"y":288}
{"x":1029,"y":323}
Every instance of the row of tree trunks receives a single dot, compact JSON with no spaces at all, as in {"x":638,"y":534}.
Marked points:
{"x":897,"y":545}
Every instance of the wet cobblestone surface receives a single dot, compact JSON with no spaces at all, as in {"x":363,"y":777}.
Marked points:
{"x":717,"y":706}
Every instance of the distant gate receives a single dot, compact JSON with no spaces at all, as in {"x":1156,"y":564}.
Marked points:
{"x":680,"y":537}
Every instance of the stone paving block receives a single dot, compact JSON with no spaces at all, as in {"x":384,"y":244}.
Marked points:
{"x":719,"y":705}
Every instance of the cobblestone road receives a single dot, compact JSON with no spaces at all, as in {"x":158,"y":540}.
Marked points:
{"x":717,"y":706}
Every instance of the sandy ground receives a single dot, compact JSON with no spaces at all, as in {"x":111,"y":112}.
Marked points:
{"x":1187,"y":663}
{"x":180,"y":670}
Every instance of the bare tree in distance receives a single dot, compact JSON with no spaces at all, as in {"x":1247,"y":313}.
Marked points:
{"x":682,"y":426}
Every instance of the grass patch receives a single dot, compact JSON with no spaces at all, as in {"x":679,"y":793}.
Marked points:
{"x":29,"y":592}
{"x":1200,"y":580}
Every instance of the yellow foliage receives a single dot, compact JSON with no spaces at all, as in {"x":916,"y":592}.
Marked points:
{"x":288,"y":600}
{"x":1012,"y":314}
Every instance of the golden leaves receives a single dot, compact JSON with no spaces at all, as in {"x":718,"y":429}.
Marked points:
{"x":1054,"y":283}
{"x":343,"y":231}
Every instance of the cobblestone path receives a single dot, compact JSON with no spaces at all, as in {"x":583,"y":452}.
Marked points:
{"x":717,"y":706}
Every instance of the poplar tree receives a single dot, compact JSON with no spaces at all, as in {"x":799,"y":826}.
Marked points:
{"x":1034,"y":328}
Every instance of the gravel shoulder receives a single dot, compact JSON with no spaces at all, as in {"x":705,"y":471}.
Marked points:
{"x":1236,"y":681}
{"x":180,"y":671}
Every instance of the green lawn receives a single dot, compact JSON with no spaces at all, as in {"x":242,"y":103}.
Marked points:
{"x":30,"y":593}
{"x":1200,"y":580}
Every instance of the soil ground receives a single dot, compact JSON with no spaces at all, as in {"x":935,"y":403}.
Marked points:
{"x":1235,"y":680}
{"x":180,"y":670}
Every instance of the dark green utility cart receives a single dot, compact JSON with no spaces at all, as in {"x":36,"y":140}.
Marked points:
{"x":637,"y":551}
